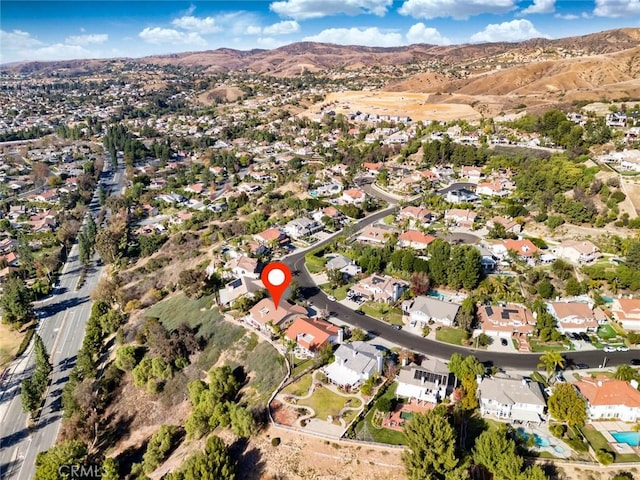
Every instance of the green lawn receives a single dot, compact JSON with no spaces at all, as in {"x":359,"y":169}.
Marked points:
{"x":181,"y":309}
{"x":393,"y":315}
{"x":606,"y":332}
{"x":324,"y":402}
{"x":455,"y":336}
{"x":340,"y":293}
{"x":315,"y":264}
{"x":618,"y":329}
{"x":540,"y":378}
{"x":301,"y":365}
{"x":365,"y":430}
{"x":538,"y":346}
{"x":597,"y":441}
{"x":300,"y":387}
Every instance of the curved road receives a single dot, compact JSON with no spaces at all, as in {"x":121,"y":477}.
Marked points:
{"x":519,"y":361}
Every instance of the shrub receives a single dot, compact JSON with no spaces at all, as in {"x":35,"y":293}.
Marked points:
{"x":577,"y":444}
{"x":275,"y":441}
{"x":383,"y":404}
{"x":558,"y":430}
{"x":605,"y":457}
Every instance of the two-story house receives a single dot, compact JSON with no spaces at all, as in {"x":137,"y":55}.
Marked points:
{"x":311,"y":334}
{"x":264,"y":316}
{"x":609,"y":399}
{"x":577,"y":252}
{"x":243,"y":266}
{"x":380,"y":288}
{"x":416,"y":215}
{"x":463,"y":218}
{"x":302,"y":227}
{"x":427,"y":382}
{"x":627,"y":312}
{"x":504,"y":322}
{"x":415,"y":239}
{"x":513,"y":399}
{"x":354,"y":364}
{"x":576,"y":317}
{"x":422,"y":309}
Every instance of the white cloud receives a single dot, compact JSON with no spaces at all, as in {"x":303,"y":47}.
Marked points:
{"x":159,"y":35}
{"x":513,"y":31}
{"x":305,"y":9}
{"x":60,"y":51}
{"x":540,"y":6}
{"x":87,"y":39}
{"x":419,"y":33}
{"x":18,"y":39}
{"x":568,"y":16}
{"x":458,"y":9}
{"x":282,"y":28}
{"x":270,"y":42}
{"x":371,"y":36}
{"x":197,"y":24}
{"x":617,"y":8}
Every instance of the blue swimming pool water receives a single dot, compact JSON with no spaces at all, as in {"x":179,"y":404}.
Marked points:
{"x":630,"y":438}
{"x":541,"y":441}
{"x":435,"y":294}
{"x":558,"y":449}
{"x":607,"y":299}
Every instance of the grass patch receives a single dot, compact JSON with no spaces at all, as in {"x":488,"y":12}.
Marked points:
{"x":315,"y":264}
{"x":617,"y":328}
{"x":365,"y":430}
{"x":300,"y":387}
{"x":10,"y":341}
{"x":301,"y":364}
{"x":325,"y":402}
{"x":606,"y":332}
{"x":340,"y":293}
{"x":451,"y":335}
{"x":538,"y":346}
{"x":382,"y":311}
{"x":179,"y":309}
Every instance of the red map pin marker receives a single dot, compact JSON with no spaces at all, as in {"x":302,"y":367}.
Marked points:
{"x":276,"y":278}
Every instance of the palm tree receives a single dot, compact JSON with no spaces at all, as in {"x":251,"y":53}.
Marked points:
{"x":625,"y":372}
{"x":551,"y":361}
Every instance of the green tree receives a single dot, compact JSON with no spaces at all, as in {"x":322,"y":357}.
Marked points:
{"x":30,"y":395}
{"x":633,"y":254}
{"x":16,"y":302}
{"x":566,"y":405}
{"x":439,"y":259}
{"x":431,"y":443}
{"x":159,"y":447}
{"x":551,"y":361}
{"x":223,"y":383}
{"x":214,"y":463}
{"x":48,"y":463}
{"x":625,"y":373}
{"x":242,"y":422}
{"x":110,"y":470}
{"x":127,"y":357}
{"x":497,"y":453}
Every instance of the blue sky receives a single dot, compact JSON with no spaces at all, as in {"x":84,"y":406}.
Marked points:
{"x":56,"y":30}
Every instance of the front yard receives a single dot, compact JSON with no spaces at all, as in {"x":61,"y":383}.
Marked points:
{"x":538,"y":346}
{"x":382,"y":311}
{"x":454,"y":336}
{"x":340,"y":293}
{"x":315,"y":264}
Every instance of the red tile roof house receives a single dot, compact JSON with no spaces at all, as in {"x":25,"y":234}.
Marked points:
{"x":574,"y":317}
{"x":464,"y":218}
{"x":524,"y":249}
{"x":509,"y":225}
{"x":271,"y":236}
{"x":627,"y":312}
{"x":610,"y":399}
{"x":264,"y":316}
{"x":505,"y":322}
{"x":311,"y":334}
{"x":353,"y":195}
{"x":415,"y":239}
{"x":380,"y":288}
{"x":416,"y":215}
{"x":195,"y":188}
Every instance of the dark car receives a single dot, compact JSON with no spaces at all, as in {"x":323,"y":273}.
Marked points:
{"x":503,"y":342}
{"x":359,"y":312}
{"x":635,"y":361}
{"x":396,"y":327}
{"x":582,"y":366}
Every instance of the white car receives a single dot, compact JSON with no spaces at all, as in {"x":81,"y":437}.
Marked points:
{"x":610,"y":349}
{"x":623,"y":349}
{"x":331,"y":298}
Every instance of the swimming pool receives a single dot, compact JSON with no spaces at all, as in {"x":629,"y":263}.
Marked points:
{"x":541,"y":441}
{"x":435,"y":294}
{"x":630,"y":438}
{"x":558,"y":449}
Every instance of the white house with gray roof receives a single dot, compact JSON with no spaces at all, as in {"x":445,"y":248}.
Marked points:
{"x":422,"y":309}
{"x":347,"y":266}
{"x":354,"y":364}
{"x":509,"y":398}
{"x":427,"y":382}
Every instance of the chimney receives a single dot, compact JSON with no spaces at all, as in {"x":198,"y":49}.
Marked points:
{"x":599,"y":383}
{"x":634,"y":383}
{"x":354,"y":353}
{"x":405,"y":361}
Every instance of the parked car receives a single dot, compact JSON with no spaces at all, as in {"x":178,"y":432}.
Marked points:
{"x":609,"y":349}
{"x":359,"y":312}
{"x":331,"y":298}
{"x":582,"y":366}
{"x":396,"y":327}
{"x":623,"y":349}
{"x":635,"y":361}
{"x":503,"y":342}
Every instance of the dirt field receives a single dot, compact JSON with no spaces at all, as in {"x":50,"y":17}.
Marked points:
{"x":414,"y":105}
{"x":9,"y":342}
{"x":301,"y":457}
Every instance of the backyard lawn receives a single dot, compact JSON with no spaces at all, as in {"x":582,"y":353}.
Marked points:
{"x":300,"y":387}
{"x":393,"y":315}
{"x":366,"y":431}
{"x":325,"y":402}
{"x":301,"y":364}
{"x":455,"y":336}
{"x":597,"y":441}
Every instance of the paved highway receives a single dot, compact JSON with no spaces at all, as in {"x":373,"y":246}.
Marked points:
{"x":62,"y":324}
{"x":518,"y":361}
